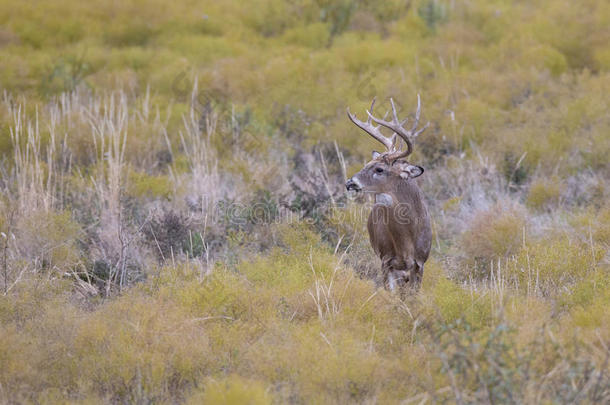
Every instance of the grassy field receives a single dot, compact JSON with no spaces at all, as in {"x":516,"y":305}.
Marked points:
{"x":174,"y":226}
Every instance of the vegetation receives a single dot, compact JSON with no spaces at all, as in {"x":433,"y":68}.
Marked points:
{"x":174,"y":226}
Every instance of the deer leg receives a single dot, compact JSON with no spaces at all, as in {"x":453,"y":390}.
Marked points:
{"x":392,"y":281}
{"x":402,"y":277}
{"x":409,"y":273}
{"x":397,"y":276}
{"x":386,"y":270}
{"x":417,"y":274}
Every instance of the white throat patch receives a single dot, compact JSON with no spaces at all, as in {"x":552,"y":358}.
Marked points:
{"x":384,"y":199}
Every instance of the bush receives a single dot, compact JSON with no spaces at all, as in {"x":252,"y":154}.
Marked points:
{"x":544,"y":193}
{"x":497,"y":232}
{"x":50,"y":239}
{"x":454,"y":302}
{"x":232,"y":390}
{"x":433,"y":12}
{"x":312,"y":36}
{"x":141,"y":185}
{"x":129,"y":33}
{"x":556,"y":261}
{"x":169,"y":235}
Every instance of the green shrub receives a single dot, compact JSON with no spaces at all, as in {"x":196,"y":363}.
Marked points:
{"x":142,"y":185}
{"x":65,"y":75}
{"x":455,"y":302}
{"x":544,"y":193}
{"x":497,"y":232}
{"x":485,"y":364}
{"x":433,"y":12}
{"x":556,"y":261}
{"x":129,"y":33}
{"x":312,"y":35}
{"x":232,"y":390}
{"x":6,"y":146}
{"x":50,"y":239}
{"x":106,"y":356}
{"x":588,"y":290}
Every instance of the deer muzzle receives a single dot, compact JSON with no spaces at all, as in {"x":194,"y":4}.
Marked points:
{"x":353,"y":184}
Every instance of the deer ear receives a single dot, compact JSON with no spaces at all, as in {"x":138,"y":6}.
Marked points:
{"x":376,"y":154}
{"x":411,"y":171}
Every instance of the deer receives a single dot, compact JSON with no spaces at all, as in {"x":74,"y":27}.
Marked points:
{"x":398,"y":224}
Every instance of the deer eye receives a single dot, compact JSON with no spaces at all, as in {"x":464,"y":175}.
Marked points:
{"x":378,"y":170}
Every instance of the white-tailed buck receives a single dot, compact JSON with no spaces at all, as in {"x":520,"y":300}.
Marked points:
{"x":399,"y":225}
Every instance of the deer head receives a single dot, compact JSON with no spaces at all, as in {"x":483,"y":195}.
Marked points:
{"x":381,"y":174}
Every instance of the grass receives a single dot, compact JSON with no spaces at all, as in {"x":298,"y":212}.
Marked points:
{"x":174,"y":228}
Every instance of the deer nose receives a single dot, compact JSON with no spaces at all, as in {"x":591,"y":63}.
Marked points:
{"x":352,"y":185}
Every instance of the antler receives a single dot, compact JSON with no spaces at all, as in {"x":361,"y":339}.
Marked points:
{"x":372,"y":130}
{"x":397,"y":126}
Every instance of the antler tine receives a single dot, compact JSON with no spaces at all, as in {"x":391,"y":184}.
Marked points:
{"x":368,"y":121}
{"x":372,"y":130}
{"x":417,"y":113}
{"x":398,"y":130}
{"x":419,"y":131}
{"x":396,"y":120}
{"x":397,"y":126}
{"x":394,"y":111}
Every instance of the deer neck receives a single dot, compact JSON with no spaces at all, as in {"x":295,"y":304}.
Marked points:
{"x":385,"y":199}
{"x":404,"y":191}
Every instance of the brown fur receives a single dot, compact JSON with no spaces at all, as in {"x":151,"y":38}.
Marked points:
{"x":400,"y":234}
{"x":399,"y":225}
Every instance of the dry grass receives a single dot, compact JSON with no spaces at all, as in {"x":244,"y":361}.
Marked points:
{"x":213,"y":310}
{"x":174,"y":228}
